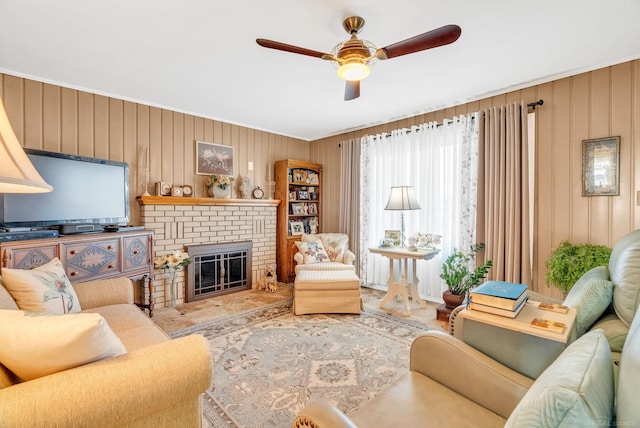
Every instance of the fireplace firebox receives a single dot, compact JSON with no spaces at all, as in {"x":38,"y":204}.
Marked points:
{"x":218,"y":269}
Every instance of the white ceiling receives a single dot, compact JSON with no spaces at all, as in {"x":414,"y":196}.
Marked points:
{"x":200,"y":56}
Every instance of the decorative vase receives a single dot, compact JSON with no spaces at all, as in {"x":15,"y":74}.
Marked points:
{"x":451,"y":300}
{"x":218,"y":192}
{"x":172,"y":289}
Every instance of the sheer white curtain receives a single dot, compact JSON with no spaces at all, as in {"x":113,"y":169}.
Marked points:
{"x":440,"y":162}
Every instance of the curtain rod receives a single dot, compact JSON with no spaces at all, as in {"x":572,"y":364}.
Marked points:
{"x":410,"y":130}
{"x":535,"y":104}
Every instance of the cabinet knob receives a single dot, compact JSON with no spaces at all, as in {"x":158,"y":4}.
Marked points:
{"x":110,"y":267}
{"x":136,"y":252}
{"x":73,"y":273}
{"x":72,"y":252}
{"x":109,"y":247}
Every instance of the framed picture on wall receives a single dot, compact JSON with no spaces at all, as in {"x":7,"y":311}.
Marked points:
{"x":214,"y":158}
{"x":601,"y":167}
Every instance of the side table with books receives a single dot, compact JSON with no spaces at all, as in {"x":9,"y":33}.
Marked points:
{"x":522,"y":334}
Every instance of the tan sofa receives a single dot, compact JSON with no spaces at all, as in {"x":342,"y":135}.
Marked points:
{"x":158,"y":383}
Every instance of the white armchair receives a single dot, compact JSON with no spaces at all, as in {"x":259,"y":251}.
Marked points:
{"x":326,"y":280}
{"x":332,"y":254}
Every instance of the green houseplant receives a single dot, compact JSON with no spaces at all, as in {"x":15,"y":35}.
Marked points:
{"x":569,"y":262}
{"x":459,"y":277}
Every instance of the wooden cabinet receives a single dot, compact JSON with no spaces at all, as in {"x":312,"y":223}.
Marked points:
{"x":89,"y":256}
{"x":299,"y":188}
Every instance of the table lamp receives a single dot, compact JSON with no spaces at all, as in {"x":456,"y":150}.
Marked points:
{"x":17,"y":173}
{"x":401,"y":199}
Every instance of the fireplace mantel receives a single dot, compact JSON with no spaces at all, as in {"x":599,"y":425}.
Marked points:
{"x":177,"y":200}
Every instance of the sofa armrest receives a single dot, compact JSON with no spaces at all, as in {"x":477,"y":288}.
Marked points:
{"x":468,"y":372}
{"x":118,"y":391}
{"x":349,"y":257}
{"x":318,"y":415}
{"x":299,"y":258}
{"x":104,"y":292}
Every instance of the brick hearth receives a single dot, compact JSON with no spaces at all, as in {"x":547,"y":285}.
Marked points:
{"x":177,"y":222}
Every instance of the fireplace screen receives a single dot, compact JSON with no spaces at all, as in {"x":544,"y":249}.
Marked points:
{"x":218,"y":269}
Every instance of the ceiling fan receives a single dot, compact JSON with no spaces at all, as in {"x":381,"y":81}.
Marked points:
{"x":354,"y":55}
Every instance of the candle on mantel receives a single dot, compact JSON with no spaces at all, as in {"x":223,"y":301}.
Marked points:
{"x":269,"y":172}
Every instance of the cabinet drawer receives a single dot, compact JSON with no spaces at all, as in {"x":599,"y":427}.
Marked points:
{"x":29,"y":258}
{"x":136,"y":253}
{"x":91,"y":260}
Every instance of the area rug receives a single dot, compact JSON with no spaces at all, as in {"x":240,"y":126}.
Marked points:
{"x":270,"y":364}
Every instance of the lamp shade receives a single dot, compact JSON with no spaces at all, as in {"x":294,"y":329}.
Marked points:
{"x":402,"y":198}
{"x":17,"y":173}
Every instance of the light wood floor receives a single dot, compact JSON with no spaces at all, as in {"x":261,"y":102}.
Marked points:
{"x":193,"y":313}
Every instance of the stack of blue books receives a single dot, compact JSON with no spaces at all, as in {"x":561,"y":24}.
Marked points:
{"x":499,"y":298}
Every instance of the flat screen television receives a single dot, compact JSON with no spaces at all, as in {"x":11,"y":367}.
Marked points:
{"x":85,"y":190}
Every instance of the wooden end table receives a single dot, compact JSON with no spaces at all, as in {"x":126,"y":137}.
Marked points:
{"x":403,"y":287}
{"x":514,"y":342}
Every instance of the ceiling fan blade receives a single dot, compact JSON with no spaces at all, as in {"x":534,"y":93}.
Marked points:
{"x":293,"y":49}
{"x":351,"y":89}
{"x":431,"y":39}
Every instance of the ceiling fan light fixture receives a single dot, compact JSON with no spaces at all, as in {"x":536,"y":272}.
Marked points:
{"x":355,"y":70}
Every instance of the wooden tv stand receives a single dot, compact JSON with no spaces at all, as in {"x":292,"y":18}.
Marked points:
{"x":90,"y":256}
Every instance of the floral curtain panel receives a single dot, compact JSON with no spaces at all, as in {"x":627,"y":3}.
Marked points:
{"x":440,"y":162}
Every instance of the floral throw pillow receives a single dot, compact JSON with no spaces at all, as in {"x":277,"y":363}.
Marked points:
{"x":42,"y":289}
{"x":313,"y":252}
{"x":335,"y":244}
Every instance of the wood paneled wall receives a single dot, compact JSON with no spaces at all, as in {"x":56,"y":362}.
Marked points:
{"x":601,"y":103}
{"x":53,"y":118}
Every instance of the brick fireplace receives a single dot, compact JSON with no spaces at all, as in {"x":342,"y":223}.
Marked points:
{"x":179,"y":222}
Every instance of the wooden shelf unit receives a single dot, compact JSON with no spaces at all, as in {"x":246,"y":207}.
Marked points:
{"x":89,"y":256}
{"x":299,"y":188}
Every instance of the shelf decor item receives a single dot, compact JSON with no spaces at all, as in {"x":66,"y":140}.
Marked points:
{"x":218,"y":186}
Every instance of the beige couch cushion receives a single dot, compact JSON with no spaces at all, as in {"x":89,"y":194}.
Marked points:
{"x":6,"y":301}
{"x":415,"y":397}
{"x":132,"y":326}
{"x":45,"y":288}
{"x":38,"y":344}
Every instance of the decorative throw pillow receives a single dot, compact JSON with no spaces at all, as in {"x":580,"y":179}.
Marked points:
{"x":590,"y":295}
{"x":335,"y":244}
{"x":313,"y":252}
{"x":576,"y":390}
{"x":36,"y":344}
{"x":42,"y":289}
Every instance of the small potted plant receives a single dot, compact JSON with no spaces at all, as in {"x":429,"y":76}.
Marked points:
{"x":459,"y":277}
{"x":569,"y":262}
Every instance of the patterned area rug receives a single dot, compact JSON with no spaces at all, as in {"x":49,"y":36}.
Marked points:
{"x":269,"y":363}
